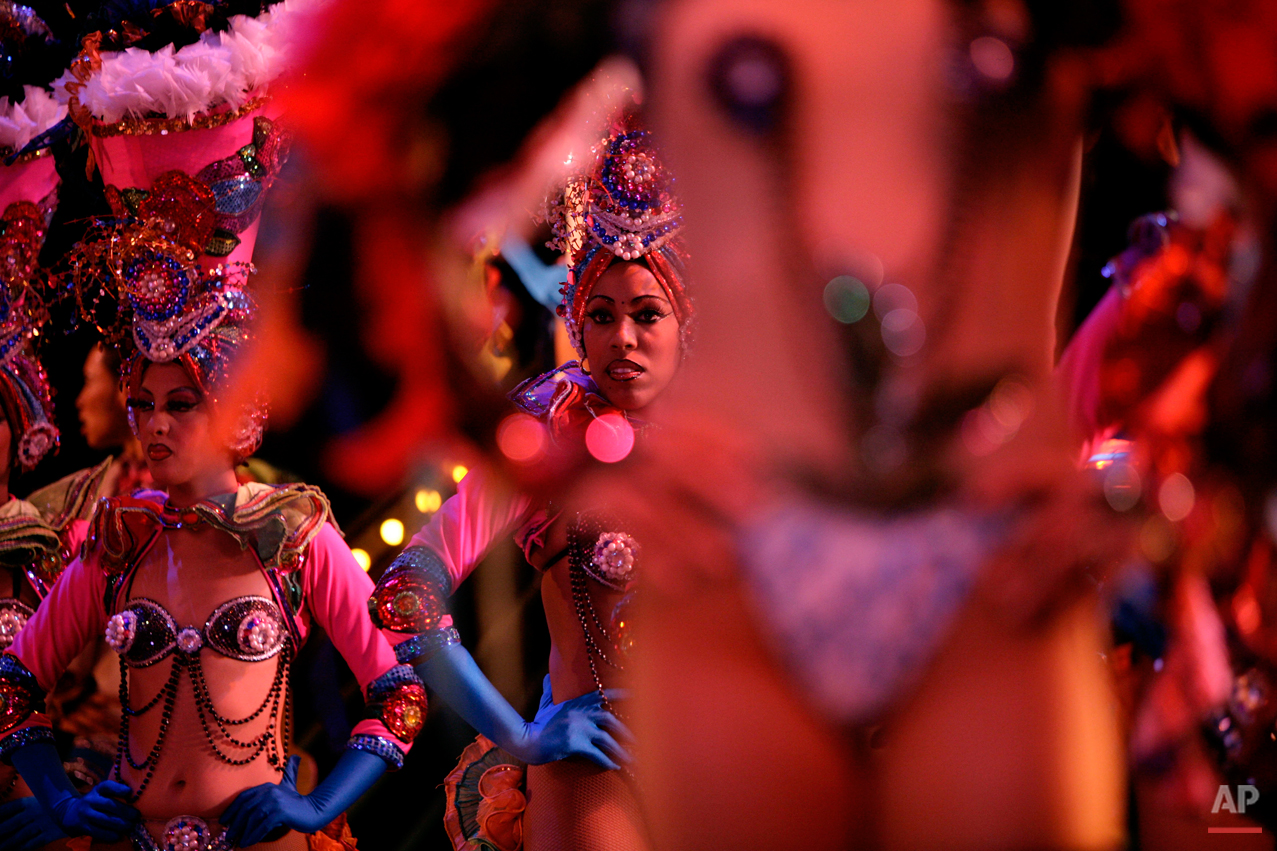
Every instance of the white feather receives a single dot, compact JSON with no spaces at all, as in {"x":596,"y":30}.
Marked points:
{"x":22,"y":122}
{"x":219,"y":69}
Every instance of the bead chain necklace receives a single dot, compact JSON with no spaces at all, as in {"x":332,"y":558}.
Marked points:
{"x":581,"y":537}
{"x":267,"y":741}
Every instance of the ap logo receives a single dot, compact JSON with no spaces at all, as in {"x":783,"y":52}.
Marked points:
{"x":1224,"y":799}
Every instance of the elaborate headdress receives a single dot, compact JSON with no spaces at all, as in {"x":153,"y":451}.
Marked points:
{"x":623,"y":208}
{"x":187,"y":145}
{"x":28,"y":195}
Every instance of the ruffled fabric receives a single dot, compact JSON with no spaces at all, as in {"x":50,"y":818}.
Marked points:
{"x":485,"y":799}
{"x":22,"y":122}
{"x":221,"y":69}
{"x":335,"y":837}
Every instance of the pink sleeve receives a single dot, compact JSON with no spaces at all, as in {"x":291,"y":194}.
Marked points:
{"x":1080,"y":367}
{"x":468,"y":524}
{"x":337,"y":592}
{"x":67,"y":620}
{"x":74,"y":535}
{"x":64,"y":624}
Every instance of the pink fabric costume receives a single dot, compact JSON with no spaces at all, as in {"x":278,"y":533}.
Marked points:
{"x":313,"y":578}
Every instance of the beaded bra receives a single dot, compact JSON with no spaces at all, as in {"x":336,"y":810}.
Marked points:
{"x":250,"y":629}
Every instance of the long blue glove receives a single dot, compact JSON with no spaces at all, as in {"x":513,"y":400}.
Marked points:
{"x":102,"y":813}
{"x":25,"y":825}
{"x":577,"y":727}
{"x":258,"y":811}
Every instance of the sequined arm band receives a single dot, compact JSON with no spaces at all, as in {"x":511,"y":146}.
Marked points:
{"x":22,"y":738}
{"x":419,"y":648}
{"x":398,"y":699}
{"x":383,"y":748}
{"x":412,"y":595}
{"x":20,"y":694}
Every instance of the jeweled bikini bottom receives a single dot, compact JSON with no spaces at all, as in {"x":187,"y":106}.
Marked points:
{"x":182,"y":833}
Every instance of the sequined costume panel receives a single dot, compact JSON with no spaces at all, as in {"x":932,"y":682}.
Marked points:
{"x":856,"y":603}
{"x":29,"y":546}
{"x":70,"y":617}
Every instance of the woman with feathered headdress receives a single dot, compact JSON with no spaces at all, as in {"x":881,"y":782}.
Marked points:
{"x":206,"y":589}
{"x":628,"y":315}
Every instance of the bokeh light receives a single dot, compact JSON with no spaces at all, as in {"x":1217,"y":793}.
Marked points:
{"x":847,"y":299}
{"x":459,"y":473}
{"x":392,"y":531}
{"x":522,"y":438}
{"x":427,"y":500}
{"x":891,"y":297}
{"x":1176,"y":497}
{"x":903,"y":332}
{"x":362,"y":559}
{"x":609,"y":438}
{"x":1122,"y":486}
{"x":993,"y":58}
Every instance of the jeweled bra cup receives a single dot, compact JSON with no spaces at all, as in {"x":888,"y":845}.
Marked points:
{"x":250,"y":629}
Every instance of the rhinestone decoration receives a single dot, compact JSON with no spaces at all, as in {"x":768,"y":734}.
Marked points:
{"x":149,"y":630}
{"x":405,"y":602}
{"x":13,"y":617}
{"x":22,"y":313}
{"x":121,"y":630}
{"x":15,"y":705}
{"x":404,"y":711}
{"x":188,"y":833}
{"x":189,"y":640}
{"x":623,"y":625}
{"x":614,"y":556}
{"x":257,"y":633}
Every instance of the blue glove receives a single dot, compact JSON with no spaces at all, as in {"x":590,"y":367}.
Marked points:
{"x":26,"y":826}
{"x":257,"y":812}
{"x":577,"y":727}
{"x":102,"y":813}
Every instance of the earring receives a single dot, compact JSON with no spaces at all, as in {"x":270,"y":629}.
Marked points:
{"x":585,"y":365}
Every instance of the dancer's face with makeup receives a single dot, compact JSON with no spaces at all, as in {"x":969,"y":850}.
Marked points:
{"x":631,"y":336}
{"x":174,"y":422}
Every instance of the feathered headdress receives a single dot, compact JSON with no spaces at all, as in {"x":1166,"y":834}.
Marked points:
{"x":187,"y":144}
{"x":622,"y":208}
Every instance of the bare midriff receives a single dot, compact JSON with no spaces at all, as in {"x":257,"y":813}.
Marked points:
{"x":190,"y":572}
{"x":570,"y":674}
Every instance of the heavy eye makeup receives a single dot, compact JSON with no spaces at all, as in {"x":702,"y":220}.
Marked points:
{"x":648,"y":312}
{"x":178,"y":403}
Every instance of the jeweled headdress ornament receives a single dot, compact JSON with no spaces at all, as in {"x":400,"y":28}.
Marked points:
{"x":28,"y":196}
{"x":187,"y":143}
{"x":622,"y":208}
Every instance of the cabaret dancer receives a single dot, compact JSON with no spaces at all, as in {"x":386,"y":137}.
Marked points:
{"x":31,"y":554}
{"x":206,"y":589}
{"x":627,"y":314}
